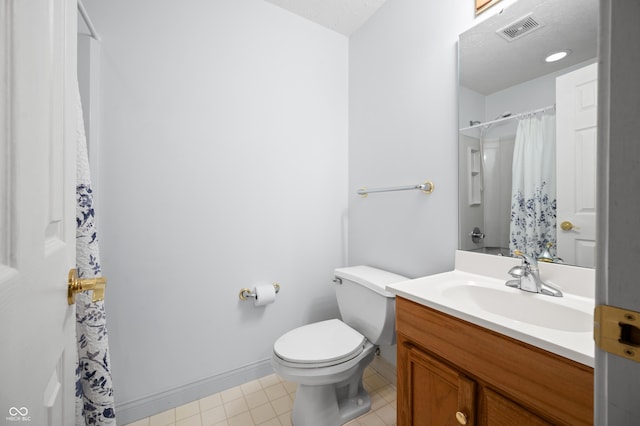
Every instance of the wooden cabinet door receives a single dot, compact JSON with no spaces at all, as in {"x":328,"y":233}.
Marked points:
{"x":497,"y":410}
{"x":430,"y":392}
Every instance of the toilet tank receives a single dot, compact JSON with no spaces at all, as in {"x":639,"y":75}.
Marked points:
{"x":364,"y":303}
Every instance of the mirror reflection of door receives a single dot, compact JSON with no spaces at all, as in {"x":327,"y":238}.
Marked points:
{"x":576,"y":109}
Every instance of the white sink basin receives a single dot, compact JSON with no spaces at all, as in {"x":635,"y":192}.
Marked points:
{"x":562,"y":325}
{"x":518,"y":305}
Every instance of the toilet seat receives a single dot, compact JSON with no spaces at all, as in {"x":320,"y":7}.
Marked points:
{"x":320,"y":344}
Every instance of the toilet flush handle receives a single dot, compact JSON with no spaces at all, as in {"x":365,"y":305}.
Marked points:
{"x":337,"y":280}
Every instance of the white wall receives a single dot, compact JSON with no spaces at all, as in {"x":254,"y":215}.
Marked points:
{"x":471,"y":108}
{"x":223,"y":165}
{"x":403,"y":130}
{"x":89,"y":87}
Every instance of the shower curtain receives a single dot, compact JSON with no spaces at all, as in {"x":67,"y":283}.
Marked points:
{"x":533,"y":194}
{"x":94,"y":391}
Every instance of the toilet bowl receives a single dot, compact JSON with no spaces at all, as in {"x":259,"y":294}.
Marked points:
{"x":327,"y":358}
{"x":330,"y":388}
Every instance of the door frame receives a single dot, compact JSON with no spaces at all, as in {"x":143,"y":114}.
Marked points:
{"x":617,"y":380}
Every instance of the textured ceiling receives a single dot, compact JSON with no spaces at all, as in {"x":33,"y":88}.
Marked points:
{"x":489,"y":63}
{"x":343,"y":16}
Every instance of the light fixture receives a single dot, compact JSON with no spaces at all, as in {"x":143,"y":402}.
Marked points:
{"x":554,"y":57}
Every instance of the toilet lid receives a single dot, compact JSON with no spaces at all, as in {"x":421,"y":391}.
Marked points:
{"x":330,"y":341}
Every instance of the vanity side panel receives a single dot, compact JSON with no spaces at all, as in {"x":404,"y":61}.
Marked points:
{"x":553,"y":387}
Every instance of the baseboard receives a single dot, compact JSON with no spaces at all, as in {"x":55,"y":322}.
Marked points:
{"x":385,"y":369}
{"x":131,"y":411}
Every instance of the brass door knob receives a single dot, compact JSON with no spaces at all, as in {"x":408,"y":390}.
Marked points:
{"x":77,"y":285}
{"x":568,"y":226}
{"x":461,"y":418}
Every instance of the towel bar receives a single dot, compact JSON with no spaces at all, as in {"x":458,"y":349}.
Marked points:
{"x":426,"y":187}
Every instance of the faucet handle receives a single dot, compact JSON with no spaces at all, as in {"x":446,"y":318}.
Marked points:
{"x":517,"y":271}
{"x":521,"y":255}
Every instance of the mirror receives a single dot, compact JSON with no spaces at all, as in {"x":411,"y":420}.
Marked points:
{"x":527,"y":135}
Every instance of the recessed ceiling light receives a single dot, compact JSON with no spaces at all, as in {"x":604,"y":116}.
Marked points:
{"x":554,"y":57}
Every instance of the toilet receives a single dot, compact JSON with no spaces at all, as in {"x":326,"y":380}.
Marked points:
{"x":327,"y":358}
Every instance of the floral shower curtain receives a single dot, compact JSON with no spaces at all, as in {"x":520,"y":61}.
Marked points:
{"x":94,"y":391}
{"x":533,"y":195}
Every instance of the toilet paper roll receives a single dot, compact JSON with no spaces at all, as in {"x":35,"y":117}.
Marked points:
{"x":265,"y":295}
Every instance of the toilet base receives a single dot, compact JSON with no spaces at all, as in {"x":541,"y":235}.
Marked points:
{"x":354,"y":407}
{"x":333,"y":404}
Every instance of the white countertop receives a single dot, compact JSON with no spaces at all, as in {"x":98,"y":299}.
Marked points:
{"x":475,"y":292}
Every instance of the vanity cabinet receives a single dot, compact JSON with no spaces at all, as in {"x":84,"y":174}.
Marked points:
{"x":453,"y":372}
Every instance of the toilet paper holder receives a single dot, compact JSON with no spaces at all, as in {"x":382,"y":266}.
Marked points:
{"x":247,"y":293}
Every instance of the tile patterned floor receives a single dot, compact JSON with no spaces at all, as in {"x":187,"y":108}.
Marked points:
{"x":268,"y":402}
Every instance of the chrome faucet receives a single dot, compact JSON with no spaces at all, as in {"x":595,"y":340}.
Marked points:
{"x":528,"y":277}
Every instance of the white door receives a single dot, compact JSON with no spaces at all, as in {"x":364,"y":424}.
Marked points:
{"x":37,"y":210}
{"x":576,"y":145}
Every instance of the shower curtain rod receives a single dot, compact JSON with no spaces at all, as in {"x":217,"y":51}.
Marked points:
{"x":488,"y":123}
{"x":87,"y":21}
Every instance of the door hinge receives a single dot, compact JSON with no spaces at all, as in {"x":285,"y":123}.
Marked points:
{"x":617,"y":331}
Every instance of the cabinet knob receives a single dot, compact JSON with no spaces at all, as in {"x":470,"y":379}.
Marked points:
{"x":461,"y":417}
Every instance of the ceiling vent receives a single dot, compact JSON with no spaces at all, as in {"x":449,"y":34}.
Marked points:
{"x":520,"y":28}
